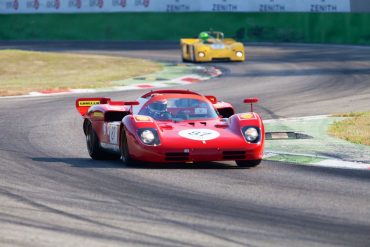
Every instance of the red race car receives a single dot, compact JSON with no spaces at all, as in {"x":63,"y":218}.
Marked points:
{"x":168,"y":126}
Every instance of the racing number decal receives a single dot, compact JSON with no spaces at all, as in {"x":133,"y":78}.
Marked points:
{"x":199,"y":134}
{"x":113,"y":133}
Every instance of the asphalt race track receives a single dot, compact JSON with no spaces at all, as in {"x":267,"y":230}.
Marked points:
{"x":53,"y":194}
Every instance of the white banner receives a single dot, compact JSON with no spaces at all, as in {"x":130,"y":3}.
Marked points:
{"x":225,"y":6}
{"x":87,"y":6}
{"x":276,"y":6}
{"x":300,"y":6}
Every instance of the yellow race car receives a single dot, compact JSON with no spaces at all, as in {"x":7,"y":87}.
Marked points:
{"x":211,"y":46}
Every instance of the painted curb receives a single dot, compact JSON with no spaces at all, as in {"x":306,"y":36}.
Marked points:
{"x":325,"y":162}
{"x":310,"y":156}
{"x":205,"y":73}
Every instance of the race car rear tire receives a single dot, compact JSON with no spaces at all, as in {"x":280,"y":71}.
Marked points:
{"x":93,"y":146}
{"x":248,"y":163}
{"x":125,"y":153}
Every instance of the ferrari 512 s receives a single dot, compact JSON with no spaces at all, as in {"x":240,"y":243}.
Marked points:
{"x":169,"y":126}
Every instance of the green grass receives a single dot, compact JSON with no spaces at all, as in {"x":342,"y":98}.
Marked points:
{"x":294,"y":158}
{"x":22,"y":72}
{"x":355,"y":128}
{"x":351,"y":114}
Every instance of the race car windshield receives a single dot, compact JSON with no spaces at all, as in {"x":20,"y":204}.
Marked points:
{"x":179,"y":109}
{"x":216,"y":35}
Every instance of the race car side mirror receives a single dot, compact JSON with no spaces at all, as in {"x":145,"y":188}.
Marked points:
{"x":251,"y":101}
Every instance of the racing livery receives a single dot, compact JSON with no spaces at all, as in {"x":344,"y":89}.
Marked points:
{"x":211,"y":46}
{"x":168,"y":126}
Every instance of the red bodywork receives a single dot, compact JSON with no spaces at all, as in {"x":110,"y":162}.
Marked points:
{"x":213,"y":139}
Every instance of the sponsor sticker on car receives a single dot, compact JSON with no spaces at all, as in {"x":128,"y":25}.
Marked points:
{"x":143,"y":119}
{"x":88,"y":102}
{"x":244,"y":116}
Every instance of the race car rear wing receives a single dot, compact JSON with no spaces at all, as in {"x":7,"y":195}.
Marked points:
{"x":83,"y":104}
{"x":188,"y":41}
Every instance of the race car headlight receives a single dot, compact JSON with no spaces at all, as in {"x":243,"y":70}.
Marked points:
{"x":251,"y":134}
{"x":239,"y":54}
{"x":201,"y":54}
{"x":148,"y":136}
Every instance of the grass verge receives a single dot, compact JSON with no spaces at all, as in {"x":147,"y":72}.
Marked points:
{"x":294,"y":158}
{"x":355,"y":128}
{"x":22,"y":72}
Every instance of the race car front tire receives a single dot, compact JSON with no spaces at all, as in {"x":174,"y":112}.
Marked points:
{"x":247,"y":163}
{"x":125,"y":153}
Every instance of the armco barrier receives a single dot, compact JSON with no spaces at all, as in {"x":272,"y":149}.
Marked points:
{"x":341,"y":28}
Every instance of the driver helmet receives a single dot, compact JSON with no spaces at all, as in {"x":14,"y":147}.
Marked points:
{"x":203,"y":36}
{"x":158,"y":107}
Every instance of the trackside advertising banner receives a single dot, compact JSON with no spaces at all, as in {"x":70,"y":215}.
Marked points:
{"x":90,"y":6}
{"x":276,"y":6}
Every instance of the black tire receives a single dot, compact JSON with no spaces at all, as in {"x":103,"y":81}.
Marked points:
{"x":248,"y":163}
{"x":94,"y":148}
{"x":125,"y":153}
{"x":193,"y":57}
